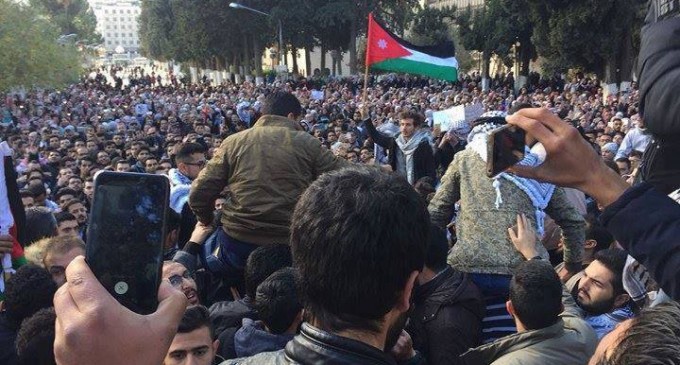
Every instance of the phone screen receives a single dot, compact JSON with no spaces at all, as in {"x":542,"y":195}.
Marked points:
{"x":125,"y":236}
{"x":506,"y":148}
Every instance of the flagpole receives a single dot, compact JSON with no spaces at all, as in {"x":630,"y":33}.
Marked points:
{"x":364,"y":97}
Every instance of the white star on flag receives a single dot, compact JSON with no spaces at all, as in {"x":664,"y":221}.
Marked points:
{"x":382,"y":44}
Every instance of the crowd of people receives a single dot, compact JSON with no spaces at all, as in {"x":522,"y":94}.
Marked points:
{"x":312,"y":222}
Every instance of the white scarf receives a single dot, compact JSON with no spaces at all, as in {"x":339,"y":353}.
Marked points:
{"x":180,"y":186}
{"x":407,"y":148}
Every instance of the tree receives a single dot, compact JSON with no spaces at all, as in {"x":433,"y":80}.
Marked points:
{"x":29,"y":39}
{"x":71,"y":17}
{"x":593,"y":35}
{"x":156,"y":21}
{"x":432,"y":26}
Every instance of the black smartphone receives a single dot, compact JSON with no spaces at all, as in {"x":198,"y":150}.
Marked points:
{"x":125,"y":236}
{"x":505,"y":147}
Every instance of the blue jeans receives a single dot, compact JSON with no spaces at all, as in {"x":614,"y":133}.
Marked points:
{"x":492,"y":285}
{"x":233,"y":253}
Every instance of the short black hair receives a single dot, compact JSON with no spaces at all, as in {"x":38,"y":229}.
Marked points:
{"x":37,"y":188}
{"x":66,"y":191}
{"x":119,"y":160}
{"x":35,"y":339}
{"x":614,"y":260}
{"x":185,"y":150}
{"x":195,"y":317}
{"x":25,"y":193}
{"x":624,"y":160}
{"x":264,"y":261}
{"x":357,"y":234}
{"x":281,"y":103}
{"x":437,"y":249}
{"x":64,"y":216}
{"x":277,"y":301}
{"x":536,"y":294}
{"x":595,"y":231}
{"x":29,"y":290}
{"x":42,"y":223}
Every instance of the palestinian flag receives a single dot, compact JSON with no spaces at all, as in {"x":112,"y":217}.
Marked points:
{"x":385,"y":51}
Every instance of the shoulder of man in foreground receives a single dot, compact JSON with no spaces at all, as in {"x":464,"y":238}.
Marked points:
{"x":265,"y":358}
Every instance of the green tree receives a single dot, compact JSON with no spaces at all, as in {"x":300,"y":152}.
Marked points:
{"x":432,"y":26}
{"x":28,"y":40}
{"x":71,"y":17}
{"x":593,"y":35}
{"x":156,"y":21}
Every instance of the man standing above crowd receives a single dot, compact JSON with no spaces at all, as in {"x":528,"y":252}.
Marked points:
{"x":266,"y":169}
{"x":410,"y":152}
{"x":487,"y":208}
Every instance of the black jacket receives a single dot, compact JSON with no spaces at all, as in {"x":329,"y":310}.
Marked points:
{"x":316,"y":347}
{"x":647,"y":224}
{"x":443,"y":156}
{"x":447,"y":317}
{"x":423,"y":157}
{"x":227,"y":314}
{"x":659,"y":72}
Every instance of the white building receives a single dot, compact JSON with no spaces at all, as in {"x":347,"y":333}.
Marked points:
{"x":459,"y":4}
{"x":117,"y":23}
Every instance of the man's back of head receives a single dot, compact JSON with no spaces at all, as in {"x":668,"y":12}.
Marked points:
{"x":28,"y":291}
{"x":278,"y":303}
{"x":535,"y":295}
{"x":264,"y":261}
{"x":42,"y":223}
{"x":357,"y":235}
{"x":283,"y":104}
{"x":35,"y":340}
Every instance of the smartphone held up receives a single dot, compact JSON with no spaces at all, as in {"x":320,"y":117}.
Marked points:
{"x":125,"y":236}
{"x":505,"y":148}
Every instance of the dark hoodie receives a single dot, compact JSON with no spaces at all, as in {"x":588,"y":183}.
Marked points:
{"x":447,"y":317}
{"x":253,"y":339}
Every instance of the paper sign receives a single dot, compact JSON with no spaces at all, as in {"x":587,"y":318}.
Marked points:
{"x":457,"y":117}
{"x":317,"y":95}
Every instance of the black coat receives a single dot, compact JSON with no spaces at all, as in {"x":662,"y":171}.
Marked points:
{"x":314,"y":346}
{"x":228,"y":314}
{"x":447,"y":317}
{"x":647,"y":224}
{"x":423,"y":157}
{"x":659,"y":74}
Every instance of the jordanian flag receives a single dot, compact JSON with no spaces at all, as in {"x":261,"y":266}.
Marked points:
{"x":385,"y":51}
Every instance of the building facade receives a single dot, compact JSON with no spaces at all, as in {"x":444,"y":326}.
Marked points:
{"x":459,"y":4}
{"x":117,"y":24}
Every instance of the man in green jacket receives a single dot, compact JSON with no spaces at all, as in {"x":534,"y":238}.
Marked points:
{"x":265,"y":168}
{"x":547,"y":333}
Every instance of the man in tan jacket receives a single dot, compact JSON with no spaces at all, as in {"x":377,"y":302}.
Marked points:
{"x":265,"y":168}
{"x":546,"y":332}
